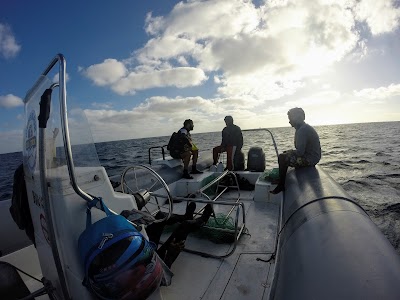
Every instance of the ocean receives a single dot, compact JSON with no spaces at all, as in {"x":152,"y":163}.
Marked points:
{"x":363,"y":158}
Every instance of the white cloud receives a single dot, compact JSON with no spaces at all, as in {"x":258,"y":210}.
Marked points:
{"x":380,"y":93}
{"x":56,"y":77}
{"x":114,"y":73}
{"x":8,"y":46}
{"x":107,"y":72}
{"x":258,"y":52}
{"x":316,"y":100}
{"x":164,"y":48}
{"x":162,"y":115}
{"x":381,"y":15}
{"x":205,"y":19}
{"x":9,"y":101}
{"x":178,"y":77}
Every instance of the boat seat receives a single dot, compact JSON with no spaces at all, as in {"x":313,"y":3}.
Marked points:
{"x":11,"y":284}
{"x":168,"y":161}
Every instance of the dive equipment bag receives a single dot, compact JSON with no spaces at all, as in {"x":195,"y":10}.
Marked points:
{"x":19,"y":208}
{"x":118,"y":261}
{"x":178,"y":143}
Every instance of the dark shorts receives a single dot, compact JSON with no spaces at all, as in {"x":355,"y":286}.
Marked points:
{"x":295,"y":161}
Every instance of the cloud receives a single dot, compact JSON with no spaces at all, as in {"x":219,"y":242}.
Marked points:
{"x":179,"y":77}
{"x":162,"y":115}
{"x":380,"y":93}
{"x":381,"y":15}
{"x":107,"y":72}
{"x":316,"y":100}
{"x":114,"y":73}
{"x":56,"y":77}
{"x":8,"y":46}
{"x":255,"y":45}
{"x":262,"y":52}
{"x":10,"y":101}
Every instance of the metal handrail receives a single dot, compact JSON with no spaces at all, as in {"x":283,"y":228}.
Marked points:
{"x":162,"y":152}
{"x":64,"y":121}
{"x":237,"y":231}
{"x":273,"y":141}
{"x":218,"y":179}
{"x":59,"y":58}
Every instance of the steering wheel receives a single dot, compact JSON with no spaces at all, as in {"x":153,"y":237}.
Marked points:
{"x":148,"y":188}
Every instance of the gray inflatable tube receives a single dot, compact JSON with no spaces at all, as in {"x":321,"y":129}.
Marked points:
{"x":328,"y":247}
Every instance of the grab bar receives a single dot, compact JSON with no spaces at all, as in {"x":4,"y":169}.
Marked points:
{"x":162,"y":152}
{"x":237,"y":232}
{"x":59,"y":58}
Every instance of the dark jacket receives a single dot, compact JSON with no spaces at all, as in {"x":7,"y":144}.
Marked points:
{"x":232,"y":136}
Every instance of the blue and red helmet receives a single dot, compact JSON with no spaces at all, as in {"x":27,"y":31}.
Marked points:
{"x":127,"y":269}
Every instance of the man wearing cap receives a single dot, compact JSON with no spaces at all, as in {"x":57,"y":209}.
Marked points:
{"x":232,"y":142}
{"x":307,"y":144}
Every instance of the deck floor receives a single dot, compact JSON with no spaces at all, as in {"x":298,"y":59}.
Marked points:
{"x":239,"y":276}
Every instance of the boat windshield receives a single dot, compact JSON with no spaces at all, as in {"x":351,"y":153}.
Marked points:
{"x":83,"y":149}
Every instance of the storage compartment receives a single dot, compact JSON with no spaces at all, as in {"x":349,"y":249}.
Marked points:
{"x":261,"y":191}
{"x":256,"y":159}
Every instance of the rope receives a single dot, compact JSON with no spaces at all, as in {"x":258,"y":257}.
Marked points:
{"x":23,"y":272}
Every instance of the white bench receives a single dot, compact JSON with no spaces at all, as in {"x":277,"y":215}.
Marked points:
{"x":168,"y":161}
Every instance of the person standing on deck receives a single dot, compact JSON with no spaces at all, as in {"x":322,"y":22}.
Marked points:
{"x":232,"y":142}
{"x":307,"y":144}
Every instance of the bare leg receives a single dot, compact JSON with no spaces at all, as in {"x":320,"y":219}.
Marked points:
{"x":194,"y":167}
{"x":195,"y":154}
{"x":283,"y":166}
{"x":186,"y":159}
{"x":216,"y":151}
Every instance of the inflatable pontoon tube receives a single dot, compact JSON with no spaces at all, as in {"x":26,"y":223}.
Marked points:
{"x":328,"y":247}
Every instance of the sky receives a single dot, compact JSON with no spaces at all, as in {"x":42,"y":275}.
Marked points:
{"x":140,"y":68}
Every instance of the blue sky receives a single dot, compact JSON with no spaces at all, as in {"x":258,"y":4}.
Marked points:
{"x":139,"y":68}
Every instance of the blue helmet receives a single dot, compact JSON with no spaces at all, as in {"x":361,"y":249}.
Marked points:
{"x":126,"y":269}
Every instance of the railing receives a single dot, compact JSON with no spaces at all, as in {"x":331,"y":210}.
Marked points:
{"x":156,"y":147}
{"x":237,"y":204}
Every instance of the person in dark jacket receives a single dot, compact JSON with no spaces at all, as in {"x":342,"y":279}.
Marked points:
{"x":232,"y":142}
{"x":307,"y":144}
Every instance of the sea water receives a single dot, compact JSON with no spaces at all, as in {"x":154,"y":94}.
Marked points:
{"x":363,"y":158}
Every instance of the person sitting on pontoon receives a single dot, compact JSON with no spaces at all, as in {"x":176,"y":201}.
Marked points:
{"x":182,"y":146}
{"x":232,"y":142}
{"x":307,"y":144}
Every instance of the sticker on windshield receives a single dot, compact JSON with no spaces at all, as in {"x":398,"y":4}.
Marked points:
{"x":31,"y":142}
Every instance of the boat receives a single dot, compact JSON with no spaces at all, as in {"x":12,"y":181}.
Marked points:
{"x":310,"y":242}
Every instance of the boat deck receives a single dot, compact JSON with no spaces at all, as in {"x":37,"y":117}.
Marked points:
{"x":244,"y":274}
